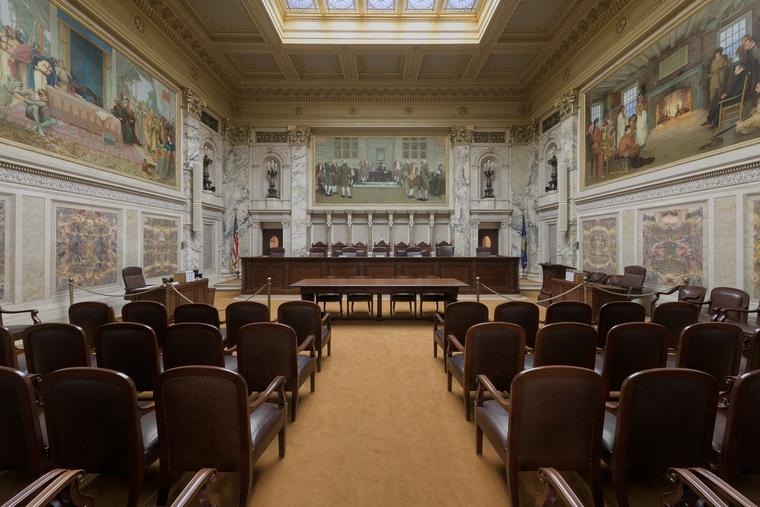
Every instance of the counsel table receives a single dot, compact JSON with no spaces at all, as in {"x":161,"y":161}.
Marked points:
{"x":448,"y":286}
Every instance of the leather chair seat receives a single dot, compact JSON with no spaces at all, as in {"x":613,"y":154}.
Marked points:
{"x":230,"y":362}
{"x":266,"y":422}
{"x":360,"y":296}
{"x":306,"y":365}
{"x":150,"y":436}
{"x":456,"y":366}
{"x":720,"y":431}
{"x":438,"y":334}
{"x":608,"y":433}
{"x":529,"y":361}
{"x":494,"y":421}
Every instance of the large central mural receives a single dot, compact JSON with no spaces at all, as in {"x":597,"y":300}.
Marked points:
{"x":66,"y":91}
{"x":409,"y":171}
{"x":691,"y":93}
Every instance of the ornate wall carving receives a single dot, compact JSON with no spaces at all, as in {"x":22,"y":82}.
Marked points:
{"x":271,"y":137}
{"x":194,"y":105}
{"x":299,"y":136}
{"x":490,"y":137}
{"x":461,"y":135}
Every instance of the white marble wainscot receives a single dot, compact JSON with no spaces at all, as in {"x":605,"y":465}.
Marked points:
{"x":460,"y":219}
{"x":299,"y":223}
{"x":237,"y":198}
{"x":192,"y":241}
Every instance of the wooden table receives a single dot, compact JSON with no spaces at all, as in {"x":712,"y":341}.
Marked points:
{"x":447,"y":286}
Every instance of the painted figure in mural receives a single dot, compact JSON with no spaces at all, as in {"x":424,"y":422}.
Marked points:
{"x":596,"y":148}
{"x":752,"y":123}
{"x":396,"y":170}
{"x":21,"y":56}
{"x":607,"y":144}
{"x":424,"y":178}
{"x":642,"y":129}
{"x":38,"y":111}
{"x":732,"y":96}
{"x":9,"y":89}
{"x":344,"y":180}
{"x":124,"y":114}
{"x":436,"y":181}
{"x":5,"y":55}
{"x":622,"y":121}
{"x":750,"y":58}
{"x":411,"y":179}
{"x":720,"y":68}
{"x":629,"y":148}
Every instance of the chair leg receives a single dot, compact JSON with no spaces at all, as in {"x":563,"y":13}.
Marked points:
{"x":312,"y":381}
{"x":435,"y":348}
{"x":329,"y":346}
{"x":281,"y":441}
{"x":319,"y":359}
{"x":478,"y":440}
{"x":448,"y":381}
{"x":245,"y":484}
{"x":415,"y":306}
{"x":340,"y":304}
{"x":293,"y":404}
{"x":513,"y":489}
{"x":436,"y":306}
{"x":163,"y":487}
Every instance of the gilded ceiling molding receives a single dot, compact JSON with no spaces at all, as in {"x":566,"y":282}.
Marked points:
{"x":238,"y":134}
{"x":299,"y":135}
{"x":571,"y":45}
{"x":194,"y":105}
{"x":461,"y":135}
{"x":523,"y":134}
{"x":490,"y":137}
{"x":382,"y":96}
{"x":567,"y":104}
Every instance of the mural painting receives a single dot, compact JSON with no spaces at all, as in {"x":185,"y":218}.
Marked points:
{"x":380,"y":170}
{"x":86,"y":247}
{"x":673,"y":246}
{"x":692,"y":92}
{"x":66,"y":91}
{"x":600,"y":248}
{"x":160,"y":247}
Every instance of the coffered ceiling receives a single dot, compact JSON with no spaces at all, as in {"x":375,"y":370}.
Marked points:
{"x":242,"y":44}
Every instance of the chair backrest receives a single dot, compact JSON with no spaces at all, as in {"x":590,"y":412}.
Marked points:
{"x":150,"y":313}
{"x":240,"y":313}
{"x":741,"y":442}
{"x":732,"y":298}
{"x":566,"y":344}
{"x":692,"y":294}
{"x":568,"y":436}
{"x":337,"y":249}
{"x":496,"y":350}
{"x":52,"y":346}
{"x":568,"y":311}
{"x":277,"y":251}
{"x":617,"y":312}
{"x":133,"y":277}
{"x":753,"y":354}
{"x":304,"y":317}
{"x":712,"y":347}
{"x":266,"y":350}
{"x":459,"y":317}
{"x":675,"y":316}
{"x":444,"y":250}
{"x":130,"y":348}
{"x":633,"y":277}
{"x":522,"y":313}
{"x":90,"y":315}
{"x":348,"y":251}
{"x":633,"y":347}
{"x":202,"y":405}
{"x":379,"y":251}
{"x":193,"y":344}
{"x":20,"y":434}
{"x":93,"y":421}
{"x":596,"y":277}
{"x":665,"y":419}
{"x":197,"y":312}
{"x":7,"y":349}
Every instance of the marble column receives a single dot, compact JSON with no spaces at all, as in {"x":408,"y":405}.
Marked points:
{"x":349,"y":224}
{"x":256,"y":238}
{"x":391,"y":241}
{"x":461,"y":141}
{"x":286,"y":237}
{"x":192,"y":241}
{"x":370,"y":239}
{"x":474,"y":228}
{"x":329,"y":230}
{"x":237,"y":197}
{"x":504,"y":240}
{"x":299,"y":139}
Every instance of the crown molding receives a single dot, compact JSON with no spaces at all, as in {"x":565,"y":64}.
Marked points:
{"x":333,"y":95}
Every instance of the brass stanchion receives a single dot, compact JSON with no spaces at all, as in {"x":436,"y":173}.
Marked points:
{"x":269,"y":295}
{"x":477,"y":289}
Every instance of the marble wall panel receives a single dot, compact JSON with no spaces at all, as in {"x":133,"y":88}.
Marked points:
{"x":160,"y":246}
{"x":299,"y":172}
{"x":132,"y":239}
{"x":86,"y":247}
{"x":237,"y":201}
{"x":3,"y":248}
{"x":209,"y":245}
{"x":725,"y":241}
{"x":628,"y":237}
{"x":33,"y":248}
{"x":600,"y":244}
{"x":752,"y":245}
{"x":673,"y":245}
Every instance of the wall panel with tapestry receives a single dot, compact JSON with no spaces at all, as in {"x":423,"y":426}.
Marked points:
{"x":599,"y":244}
{"x":160,"y":246}
{"x":752,"y":245}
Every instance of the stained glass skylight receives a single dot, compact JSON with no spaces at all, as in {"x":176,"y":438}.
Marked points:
{"x":380,"y":7}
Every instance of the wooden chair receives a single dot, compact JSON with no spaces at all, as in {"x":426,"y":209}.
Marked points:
{"x":57,"y":487}
{"x":337,"y":249}
{"x":132,"y":349}
{"x":712,"y":347}
{"x":493,"y":349}
{"x":197,"y":312}
{"x":665,"y":418}
{"x":195,"y":344}
{"x":94,"y":424}
{"x":528,"y":436}
{"x":555,"y":489}
{"x":17,"y":330}
{"x":444,"y":249}
{"x":8,"y":352}
{"x":456,"y":320}
{"x":675,"y":316}
{"x":400,"y":249}
{"x":431,"y":297}
{"x":725,"y":301}
{"x":630,"y":348}
{"x":361,"y":249}
{"x":597,"y":277}
{"x":686,"y":294}
{"x":753,"y":353}
{"x":424,"y":248}
{"x":330,"y":297}
{"x":240,"y":313}
{"x":565,"y":344}
{"x":404,"y":297}
{"x":307,"y":320}
{"x":21,"y":445}
{"x":568,"y":311}
{"x":633,"y":278}
{"x":380,"y":249}
{"x":348,"y":251}
{"x":522,"y":313}
{"x":617,"y":312}
{"x":206,"y":419}
{"x":737,"y":441}
{"x":699,"y":486}
{"x":267,"y":350}
{"x":150,"y":313}
{"x":483,"y":251}
{"x":201,"y":490}
{"x":90,"y":315}
{"x":413,"y":251}
{"x":732,"y":108}
{"x":133,"y":278}
{"x":318,"y":249}
{"x":53,"y":346}
{"x":359,"y":297}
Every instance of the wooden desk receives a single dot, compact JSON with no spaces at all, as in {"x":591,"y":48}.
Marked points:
{"x":548,"y":272}
{"x":499,"y":273}
{"x":196,"y":291}
{"x":447,"y":286}
{"x":595,"y":295}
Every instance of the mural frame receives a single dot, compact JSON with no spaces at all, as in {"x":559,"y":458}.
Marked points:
{"x":412,"y":205}
{"x":625,"y":57}
{"x":116,"y":39}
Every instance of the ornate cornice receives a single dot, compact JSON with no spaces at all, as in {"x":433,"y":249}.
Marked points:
{"x":238,"y":134}
{"x":523,"y":134}
{"x":272,"y":137}
{"x":499,"y":137}
{"x":567,"y":104}
{"x":299,"y":135}
{"x":332,"y":95}
{"x":461,"y":135}
{"x":194,"y":105}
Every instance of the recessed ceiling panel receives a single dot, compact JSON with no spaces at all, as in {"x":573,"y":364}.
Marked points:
{"x":444,"y":65}
{"x":256,"y":63}
{"x":317,"y":65}
{"x":223,"y":15}
{"x":381,"y":66}
{"x":507,"y":63}
{"x":537,"y":15}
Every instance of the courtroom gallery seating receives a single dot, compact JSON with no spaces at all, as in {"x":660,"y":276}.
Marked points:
{"x":90,"y":315}
{"x":728,"y":298}
{"x":94,"y":423}
{"x":494,"y":349}
{"x":52,"y":346}
{"x":565,"y":344}
{"x":132,"y":349}
{"x":194,"y":344}
{"x":207,"y":404}
{"x":8,"y":353}
{"x":617,"y":312}
{"x":527,"y":436}
{"x":457,"y":319}
{"x":267,"y":350}
{"x":240,"y":313}
{"x":197,"y":312}
{"x":522,"y":313}
{"x":307,"y":320}
{"x":630,"y":348}
{"x":675,"y":316}
{"x":150,"y":313}
{"x":712,"y":347}
{"x":568,"y":311}
{"x":18,"y":329}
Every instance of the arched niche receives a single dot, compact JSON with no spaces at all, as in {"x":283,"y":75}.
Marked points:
{"x":212,"y":167}
{"x":489,"y":163}
{"x":271,"y":170}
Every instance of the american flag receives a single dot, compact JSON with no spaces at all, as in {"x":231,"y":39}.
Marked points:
{"x":235,"y":244}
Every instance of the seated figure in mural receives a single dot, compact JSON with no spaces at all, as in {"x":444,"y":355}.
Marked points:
{"x":630,"y":149}
{"x":752,"y":123}
{"x":733,"y":95}
{"x":38,"y":111}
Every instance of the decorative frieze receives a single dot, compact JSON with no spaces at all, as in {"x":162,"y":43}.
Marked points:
{"x":490,"y":137}
{"x":461,"y":135}
{"x":194,"y":105}
{"x":238,"y":134}
{"x":523,"y":134}
{"x":567,"y":104}
{"x":271,"y":137}
{"x":299,"y":135}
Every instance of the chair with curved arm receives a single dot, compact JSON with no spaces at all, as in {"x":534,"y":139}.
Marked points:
{"x":728,"y":303}
{"x":17,"y":330}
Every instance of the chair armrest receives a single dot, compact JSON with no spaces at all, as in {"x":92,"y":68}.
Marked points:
{"x":200,"y":487}
{"x":555,"y":486}
{"x":256,"y":400}
{"x":724,"y":398}
{"x":686,"y":481}
{"x":451,"y":341}
{"x":308,"y":344}
{"x":32,"y":312}
{"x":326,"y":320}
{"x":47,"y":488}
{"x":716,"y":483}
{"x":231,"y":350}
{"x":438,"y":321}
{"x":484,"y":383}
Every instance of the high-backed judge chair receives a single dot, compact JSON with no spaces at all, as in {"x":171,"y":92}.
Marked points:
{"x":90,"y":315}
{"x":150,"y":313}
{"x":53,"y":346}
{"x":361,"y":249}
{"x":413,"y":251}
{"x":337,"y":249}
{"x":568,"y":311}
{"x":348,"y":251}
{"x":483,"y":251}
{"x":400,"y":249}
{"x":380,"y":249}
{"x":318,"y":249}
{"x":522,"y":313}
{"x":444,"y":249}
{"x":133,"y":278}
{"x":425,"y":248}
{"x":277,"y":251}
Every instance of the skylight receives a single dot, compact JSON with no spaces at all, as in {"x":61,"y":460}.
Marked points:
{"x":380,"y":7}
